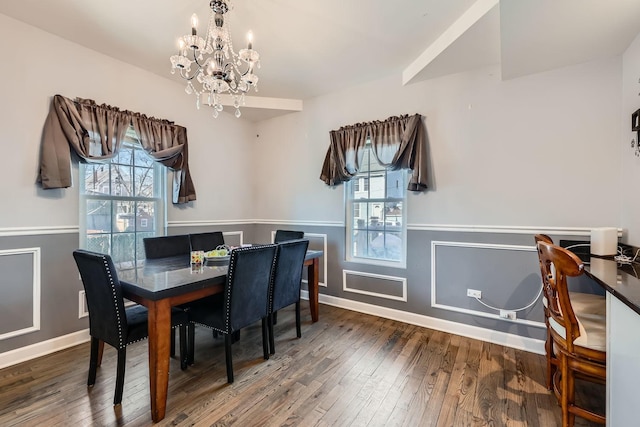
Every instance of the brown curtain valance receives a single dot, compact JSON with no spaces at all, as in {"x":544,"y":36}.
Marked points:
{"x":95,"y":131}
{"x":397,"y":143}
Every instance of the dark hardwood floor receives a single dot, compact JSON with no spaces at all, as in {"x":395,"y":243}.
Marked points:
{"x":348,"y":369}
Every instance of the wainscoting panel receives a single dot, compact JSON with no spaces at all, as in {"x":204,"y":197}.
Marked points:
{"x":459,"y":266}
{"x":317,"y":242}
{"x":233,"y":238}
{"x":19,"y":292}
{"x":83,"y":309}
{"x":378,"y":285}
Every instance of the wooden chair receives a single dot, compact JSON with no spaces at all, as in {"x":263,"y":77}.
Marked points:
{"x":244,"y":302}
{"x":578,"y":332}
{"x":206,"y":241}
{"x":285,"y":285}
{"x":109,"y":321}
{"x":582,"y":301}
{"x":552,"y":361}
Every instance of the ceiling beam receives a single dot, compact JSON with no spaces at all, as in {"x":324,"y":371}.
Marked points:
{"x":259,"y":102}
{"x":451,"y":34}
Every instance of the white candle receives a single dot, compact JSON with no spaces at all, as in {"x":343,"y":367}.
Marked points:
{"x":604,"y":241}
{"x":194,"y":24}
{"x":250,"y":40}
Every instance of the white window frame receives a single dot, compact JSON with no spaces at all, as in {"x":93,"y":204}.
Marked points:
{"x":349,"y":206}
{"x":160,"y":198}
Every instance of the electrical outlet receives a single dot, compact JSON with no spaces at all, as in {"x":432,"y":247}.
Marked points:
{"x":508,"y":314}
{"x":474,"y":294}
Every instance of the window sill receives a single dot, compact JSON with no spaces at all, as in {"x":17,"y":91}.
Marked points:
{"x":377,"y":262}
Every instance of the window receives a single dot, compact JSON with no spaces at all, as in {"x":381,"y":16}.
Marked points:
{"x":121,"y":202}
{"x":376,"y":225}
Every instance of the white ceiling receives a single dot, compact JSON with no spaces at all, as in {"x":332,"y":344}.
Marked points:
{"x":312,"y":47}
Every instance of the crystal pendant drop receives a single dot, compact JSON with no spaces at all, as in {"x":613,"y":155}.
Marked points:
{"x":198,"y":103}
{"x":189,"y":89}
{"x":238,"y":113}
{"x":215,"y":113}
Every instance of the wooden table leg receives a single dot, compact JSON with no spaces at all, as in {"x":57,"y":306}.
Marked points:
{"x":159,"y":332}
{"x":313,"y":268}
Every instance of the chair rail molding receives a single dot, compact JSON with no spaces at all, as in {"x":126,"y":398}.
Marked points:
{"x":299,"y":222}
{"x":506,"y":229}
{"x":206,"y":223}
{"x":38,"y":230}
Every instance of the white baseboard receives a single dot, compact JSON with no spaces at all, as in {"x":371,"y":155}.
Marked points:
{"x":13,"y":357}
{"x":489,"y":335}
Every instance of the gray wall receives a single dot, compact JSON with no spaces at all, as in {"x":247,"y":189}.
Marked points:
{"x":504,"y":266}
{"x":59,"y":288}
{"x":507,"y":277}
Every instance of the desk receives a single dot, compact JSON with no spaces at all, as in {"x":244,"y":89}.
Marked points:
{"x":166,"y":282}
{"x":622,"y":284}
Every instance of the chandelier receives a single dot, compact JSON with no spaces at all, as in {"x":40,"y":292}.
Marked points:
{"x":218,"y":69}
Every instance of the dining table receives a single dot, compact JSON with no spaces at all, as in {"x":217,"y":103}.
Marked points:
{"x":159,"y":284}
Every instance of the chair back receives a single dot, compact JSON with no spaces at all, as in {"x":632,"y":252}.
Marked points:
{"x":107,"y":318}
{"x":166,"y":246}
{"x":547,"y":291}
{"x":566,"y":264}
{"x":287,"y":275}
{"x":206,"y":241}
{"x":284,"y":235}
{"x":246,"y":294}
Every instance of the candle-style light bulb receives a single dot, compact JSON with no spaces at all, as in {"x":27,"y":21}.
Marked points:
{"x":194,"y":24}
{"x":181,"y":49}
{"x":250,"y":40}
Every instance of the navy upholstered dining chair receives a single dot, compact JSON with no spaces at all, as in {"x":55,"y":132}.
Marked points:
{"x":109,"y":321}
{"x":284,"y":235}
{"x":166,"y":246}
{"x":206,"y":241}
{"x":244,"y":301}
{"x":285,"y":285}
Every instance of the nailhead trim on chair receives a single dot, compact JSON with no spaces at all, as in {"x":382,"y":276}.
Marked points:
{"x":121,"y":344}
{"x":273,"y":279}
{"x":145,"y":338}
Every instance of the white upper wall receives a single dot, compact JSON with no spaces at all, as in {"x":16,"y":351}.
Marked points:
{"x":630,"y":215}
{"x":498,"y":149}
{"x":43,"y":65}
